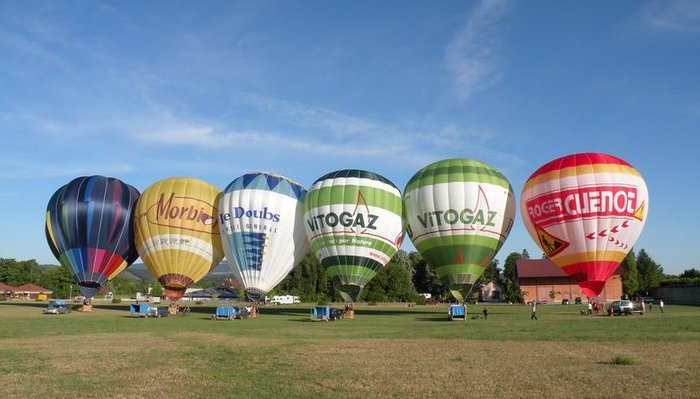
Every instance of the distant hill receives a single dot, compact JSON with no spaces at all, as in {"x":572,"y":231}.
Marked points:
{"x":138,"y":271}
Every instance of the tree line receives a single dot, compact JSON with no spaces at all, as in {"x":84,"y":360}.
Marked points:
{"x":401,"y":280}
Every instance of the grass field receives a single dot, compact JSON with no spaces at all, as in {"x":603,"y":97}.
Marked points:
{"x":385,"y":352}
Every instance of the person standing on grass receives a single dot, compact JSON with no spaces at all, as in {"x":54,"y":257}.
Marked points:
{"x":534,"y":311}
{"x":486,"y":314}
{"x":661,"y":305}
{"x":590,"y":307}
{"x":642,"y":303}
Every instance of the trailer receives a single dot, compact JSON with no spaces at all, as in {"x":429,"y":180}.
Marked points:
{"x":325,"y":313}
{"x":457,"y":312}
{"x":229,"y":313}
{"x":142,"y":310}
{"x":224,"y":313}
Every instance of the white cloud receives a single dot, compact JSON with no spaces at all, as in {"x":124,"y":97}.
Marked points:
{"x":305,"y":115}
{"x":471,"y":57}
{"x":12,"y":168}
{"x":674,"y":16}
{"x":316,"y":130}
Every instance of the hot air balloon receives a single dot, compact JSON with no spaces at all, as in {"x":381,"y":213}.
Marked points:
{"x":585,"y":211}
{"x":459,"y":213}
{"x":177,"y":234}
{"x":260,"y":217}
{"x":353,"y":222}
{"x":89,"y":229}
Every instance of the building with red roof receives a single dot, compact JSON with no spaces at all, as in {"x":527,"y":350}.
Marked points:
{"x":31,"y":291}
{"x":6,"y":291}
{"x":539,"y":278}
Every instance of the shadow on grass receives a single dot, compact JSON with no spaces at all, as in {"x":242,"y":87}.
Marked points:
{"x":442,"y":319}
{"x":41,"y":305}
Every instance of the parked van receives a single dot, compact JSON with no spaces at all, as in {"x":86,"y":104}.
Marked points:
{"x":284,"y":300}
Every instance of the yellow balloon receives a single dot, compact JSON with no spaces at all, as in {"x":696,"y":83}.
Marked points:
{"x":177,"y":234}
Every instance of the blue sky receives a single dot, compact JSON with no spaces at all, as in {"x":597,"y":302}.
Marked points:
{"x":147,"y":90}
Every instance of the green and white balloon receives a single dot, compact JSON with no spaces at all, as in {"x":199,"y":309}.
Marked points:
{"x":353,"y":220}
{"x":459,"y":213}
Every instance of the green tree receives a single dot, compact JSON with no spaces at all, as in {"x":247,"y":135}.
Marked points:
{"x":156,"y":289}
{"x":374,"y":290}
{"x":308,"y":280}
{"x":16,"y":273}
{"x":525,"y":254}
{"x":400,"y":278}
{"x":393,"y":282}
{"x":60,"y":281}
{"x":690,"y":273}
{"x":424,"y":278}
{"x":511,"y":289}
{"x":492,"y":273}
{"x":630,"y":279}
{"x":648,"y":271}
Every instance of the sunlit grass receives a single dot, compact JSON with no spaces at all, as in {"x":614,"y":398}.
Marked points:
{"x":385,"y":352}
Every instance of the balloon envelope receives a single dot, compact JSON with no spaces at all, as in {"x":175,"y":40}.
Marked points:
{"x":89,"y":229}
{"x":459,"y":213}
{"x":177,"y":234}
{"x":354,"y":224}
{"x":260,"y":217}
{"x":585,"y":211}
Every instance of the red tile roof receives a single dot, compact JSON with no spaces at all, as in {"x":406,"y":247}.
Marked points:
{"x":5,"y":287}
{"x":530,"y":268}
{"x":32,"y":288}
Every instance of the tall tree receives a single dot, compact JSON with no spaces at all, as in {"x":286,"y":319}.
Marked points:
{"x":690,"y":273}
{"x":525,"y":254}
{"x":511,"y":289}
{"x":648,"y":271}
{"x":60,"y":281}
{"x":630,"y":279}
{"x":424,"y":278}
{"x":15,"y":273}
{"x":492,"y":273}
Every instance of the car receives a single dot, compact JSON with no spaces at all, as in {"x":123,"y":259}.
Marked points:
{"x":578,"y":300}
{"x":58,"y":306}
{"x":565,"y":301}
{"x":621,"y":307}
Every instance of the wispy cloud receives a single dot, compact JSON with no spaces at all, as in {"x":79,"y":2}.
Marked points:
{"x":472,"y":55}
{"x":310,"y":129}
{"x":306,"y":115}
{"x":12,"y":168}
{"x":674,"y":16}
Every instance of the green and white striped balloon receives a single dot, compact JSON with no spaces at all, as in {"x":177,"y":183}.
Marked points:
{"x":459,"y":213}
{"x":354,"y":223}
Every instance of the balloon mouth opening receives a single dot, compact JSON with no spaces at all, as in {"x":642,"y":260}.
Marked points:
{"x":349,"y":292}
{"x":591,"y":289}
{"x":89,"y":289}
{"x":255,"y":295}
{"x":174,"y":285}
{"x":460,"y":285}
{"x":461,"y":292}
{"x":174,"y":293}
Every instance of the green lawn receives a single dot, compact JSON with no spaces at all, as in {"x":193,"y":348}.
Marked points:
{"x":386,"y":351}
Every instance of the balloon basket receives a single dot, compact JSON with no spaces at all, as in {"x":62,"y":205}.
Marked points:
{"x":349,"y":314}
{"x":253,"y":312}
{"x":173,"y":308}
{"x":86,"y":308}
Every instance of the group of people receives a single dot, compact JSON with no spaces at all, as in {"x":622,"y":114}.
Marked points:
{"x":642,"y":304}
